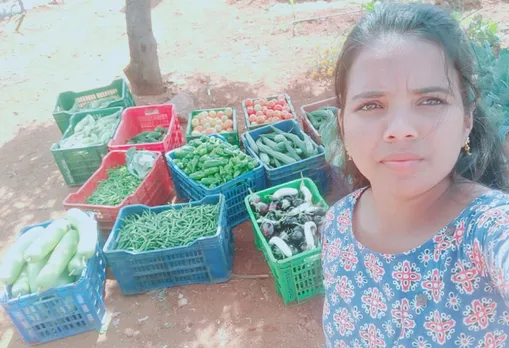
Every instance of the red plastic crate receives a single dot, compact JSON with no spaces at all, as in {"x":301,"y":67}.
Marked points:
{"x":146,"y":118}
{"x":154,"y":190}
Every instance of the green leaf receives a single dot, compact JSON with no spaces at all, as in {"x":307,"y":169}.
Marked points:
{"x":493,"y":27}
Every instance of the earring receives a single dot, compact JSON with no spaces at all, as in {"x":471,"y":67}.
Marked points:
{"x":466,"y":147}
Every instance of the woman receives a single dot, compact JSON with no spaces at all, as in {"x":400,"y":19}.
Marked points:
{"x":418,"y":254}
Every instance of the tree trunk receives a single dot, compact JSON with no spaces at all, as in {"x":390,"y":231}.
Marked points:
{"x":143,"y":70}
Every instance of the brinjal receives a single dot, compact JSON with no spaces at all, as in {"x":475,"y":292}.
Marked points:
{"x":285,"y":204}
{"x":284,"y":236}
{"x":294,"y":250}
{"x":297,"y":236}
{"x":267,"y":229}
{"x":318,"y":220}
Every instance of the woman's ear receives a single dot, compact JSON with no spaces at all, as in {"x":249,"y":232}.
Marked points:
{"x":469,"y":123}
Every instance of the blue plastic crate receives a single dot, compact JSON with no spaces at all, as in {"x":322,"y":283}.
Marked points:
{"x":207,"y":260}
{"x":234,"y":190}
{"x":316,"y":168}
{"x":62,"y":311}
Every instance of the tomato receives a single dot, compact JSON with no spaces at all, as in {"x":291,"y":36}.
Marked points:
{"x":220,"y":114}
{"x":277,"y":114}
{"x":254,"y":124}
{"x":252,"y":118}
{"x":263,"y":101}
{"x":228,"y":112}
{"x":271,"y":104}
{"x":286,"y":108}
{"x":249,"y":102}
{"x":224,"y":118}
{"x":257,"y":102}
{"x":203,"y":114}
{"x":250,"y":110}
{"x":219,"y":128}
{"x":284,"y":114}
{"x":199,"y":129}
{"x":228,"y":124}
{"x":289,"y":116}
{"x":212,"y":113}
{"x":265,"y":108}
{"x":261,"y":119}
{"x":282,"y":103}
{"x":195,"y":122}
{"x":259,"y":113}
{"x":258,"y":107}
{"x":210,"y":131}
{"x":229,"y":129}
{"x":270,"y":113}
{"x":281,"y":97}
{"x":278,"y":108}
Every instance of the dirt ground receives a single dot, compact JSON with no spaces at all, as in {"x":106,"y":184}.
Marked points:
{"x":221,"y":52}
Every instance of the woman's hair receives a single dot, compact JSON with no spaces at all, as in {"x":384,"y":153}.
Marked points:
{"x":487,"y":162}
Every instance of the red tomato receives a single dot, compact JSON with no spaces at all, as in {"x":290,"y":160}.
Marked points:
{"x":260,"y":119}
{"x":250,"y":110}
{"x":249,"y":102}
{"x":281,"y":97}
{"x":265,"y":108}
{"x":265,"y":111}
{"x":263,"y":101}
{"x":286,"y":108}
{"x":271,"y":104}
{"x":259,"y":113}
{"x":278,"y":108}
{"x":277,"y":114}
{"x":257,"y":102}
{"x":252,"y":118}
{"x":270,"y":113}
{"x":282,"y":103}
{"x":289,"y":116}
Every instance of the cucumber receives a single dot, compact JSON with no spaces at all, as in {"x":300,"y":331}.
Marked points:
{"x":87,"y":229}
{"x":46,"y":242}
{"x":21,"y":286}
{"x":13,"y":261}
{"x":58,"y":260}
{"x":34,"y":269}
{"x":76,"y":265}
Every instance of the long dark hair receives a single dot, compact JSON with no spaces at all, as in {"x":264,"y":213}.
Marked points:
{"x":487,"y":162}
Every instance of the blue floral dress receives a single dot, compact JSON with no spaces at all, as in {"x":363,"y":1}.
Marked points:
{"x":451,"y":291}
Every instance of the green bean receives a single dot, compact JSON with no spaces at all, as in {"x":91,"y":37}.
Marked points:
{"x":113,"y":190}
{"x":167,"y":229}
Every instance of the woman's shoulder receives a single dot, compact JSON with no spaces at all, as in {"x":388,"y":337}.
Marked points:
{"x":489,"y":211}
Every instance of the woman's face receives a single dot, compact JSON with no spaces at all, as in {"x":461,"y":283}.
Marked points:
{"x":404,"y":121}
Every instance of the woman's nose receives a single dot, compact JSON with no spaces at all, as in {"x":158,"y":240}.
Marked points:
{"x":400,"y":126}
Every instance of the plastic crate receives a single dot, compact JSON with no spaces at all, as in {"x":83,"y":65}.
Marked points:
{"x":308,"y":127}
{"x":78,"y":164}
{"x":66,"y":100}
{"x":231,"y":137}
{"x":246,"y":117}
{"x":154,"y":190}
{"x":234,"y":191}
{"x":62,"y":311}
{"x":207,"y":260}
{"x":315,"y":167}
{"x":146,"y":118}
{"x":298,"y":277}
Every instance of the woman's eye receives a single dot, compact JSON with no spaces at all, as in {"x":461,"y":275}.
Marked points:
{"x":432,"y":101}
{"x":369,"y":106}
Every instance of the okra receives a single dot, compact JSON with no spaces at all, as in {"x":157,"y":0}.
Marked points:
{"x":277,"y":155}
{"x":252,"y":143}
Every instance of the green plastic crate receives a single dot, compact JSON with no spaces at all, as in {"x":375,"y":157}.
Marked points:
{"x":66,"y":100}
{"x":231,"y":137}
{"x":298,"y":277}
{"x":77,"y":165}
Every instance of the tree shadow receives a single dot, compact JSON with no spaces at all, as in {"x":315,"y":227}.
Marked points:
{"x":153,"y":5}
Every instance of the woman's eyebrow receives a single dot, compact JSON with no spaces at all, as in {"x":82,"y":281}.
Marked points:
{"x":424,"y":90}
{"x":433,"y":89}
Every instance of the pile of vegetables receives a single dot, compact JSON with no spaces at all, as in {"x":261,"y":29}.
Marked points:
{"x":91,"y":131}
{"x":264,"y":111}
{"x":94,"y":104}
{"x":44,"y":258}
{"x":289,"y":221}
{"x":167,"y":229}
{"x":123,"y":180}
{"x":212,"y":162}
{"x":324,"y":120}
{"x":155,"y":136}
{"x":278,"y":148}
{"x":212,"y":122}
